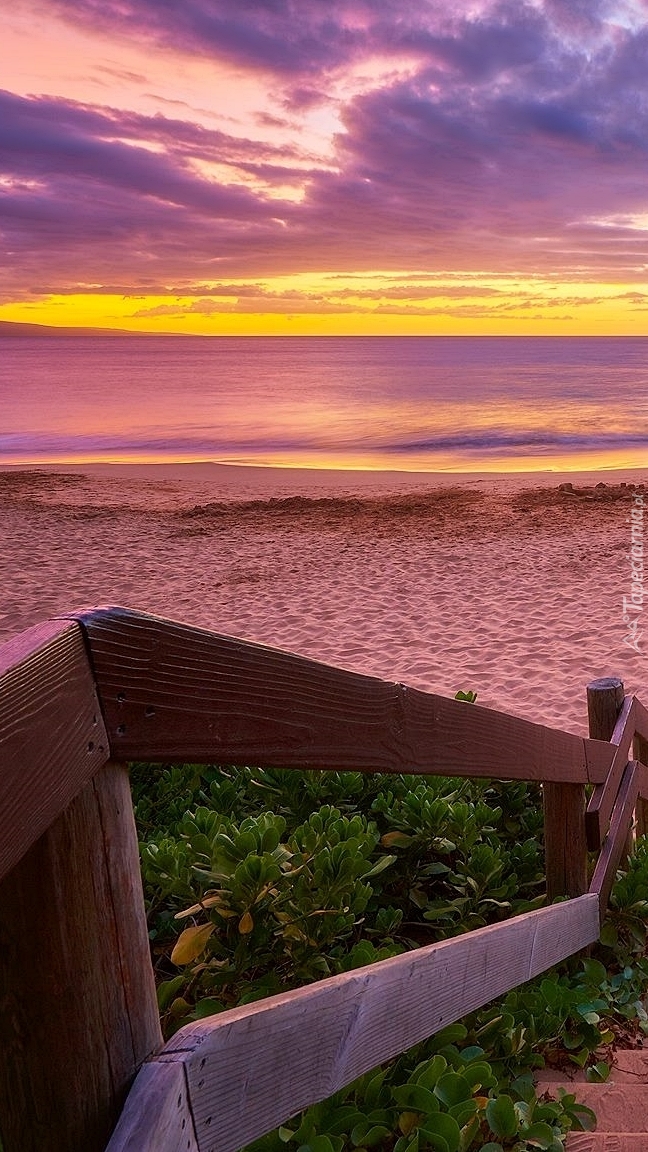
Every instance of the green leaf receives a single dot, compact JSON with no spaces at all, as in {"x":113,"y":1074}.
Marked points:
{"x":580,"y":1115}
{"x":609,"y":936}
{"x":452,"y":1034}
{"x":342,"y":1120}
{"x":479,"y":1075}
{"x":500,"y":1114}
{"x":318,"y":1144}
{"x":166,"y":991}
{"x":598,"y":1072}
{"x":524,"y":1087}
{"x":415,"y":1098}
{"x":539,"y":1136}
{"x":595,"y":972}
{"x":383,"y":863}
{"x":429,"y":1071}
{"x":209,"y":1006}
{"x":368,"y":1135}
{"x":373,"y":1088}
{"x":464,"y":1112}
{"x":452,"y":1089}
{"x":441,"y":1130}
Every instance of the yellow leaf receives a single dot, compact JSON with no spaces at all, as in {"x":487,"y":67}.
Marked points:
{"x":246,"y":924}
{"x":407,"y":1121}
{"x":208,"y":902}
{"x":191,"y":943}
{"x":396,"y":840}
{"x":292,"y":932}
{"x":179,"y":1007}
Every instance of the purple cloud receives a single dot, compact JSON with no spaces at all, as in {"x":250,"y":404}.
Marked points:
{"x":516,"y":144}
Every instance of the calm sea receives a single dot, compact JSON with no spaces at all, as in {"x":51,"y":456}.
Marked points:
{"x":423,"y":403}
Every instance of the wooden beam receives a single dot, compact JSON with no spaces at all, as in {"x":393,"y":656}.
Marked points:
{"x":52,"y":734}
{"x":602,"y":799}
{"x":615,"y":844}
{"x":641,"y":753}
{"x":157,"y":1117}
{"x":174,"y":693}
{"x":79,"y":1011}
{"x":641,"y":720}
{"x":251,"y":1068}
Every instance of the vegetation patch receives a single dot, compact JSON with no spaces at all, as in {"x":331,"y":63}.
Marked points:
{"x":259,"y":881}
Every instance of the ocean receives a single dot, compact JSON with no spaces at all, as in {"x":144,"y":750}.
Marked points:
{"x":411,"y":403}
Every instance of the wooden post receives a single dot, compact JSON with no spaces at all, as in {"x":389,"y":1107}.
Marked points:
{"x":565,"y":840}
{"x":641,"y":753}
{"x":78,"y":1012}
{"x":604,"y":701}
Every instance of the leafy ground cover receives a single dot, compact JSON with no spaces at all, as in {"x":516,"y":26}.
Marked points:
{"x":259,"y":881}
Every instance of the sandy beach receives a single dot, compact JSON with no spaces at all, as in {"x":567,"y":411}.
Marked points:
{"x":511,"y":585}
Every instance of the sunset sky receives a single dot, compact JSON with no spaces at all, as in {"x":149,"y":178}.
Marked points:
{"x":325,"y":166}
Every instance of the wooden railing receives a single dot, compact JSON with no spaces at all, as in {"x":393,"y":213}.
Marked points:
{"x":81,"y":696}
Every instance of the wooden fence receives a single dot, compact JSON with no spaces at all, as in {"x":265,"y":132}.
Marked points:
{"x":83,"y":695}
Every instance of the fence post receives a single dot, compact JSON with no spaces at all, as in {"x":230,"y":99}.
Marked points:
{"x":640,"y":752}
{"x":565,"y":840}
{"x":604,"y":701}
{"x":78,"y":1013}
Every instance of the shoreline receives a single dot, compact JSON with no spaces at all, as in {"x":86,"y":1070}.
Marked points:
{"x":501,"y":583}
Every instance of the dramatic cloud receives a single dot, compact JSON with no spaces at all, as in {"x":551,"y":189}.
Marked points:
{"x":497,"y":137}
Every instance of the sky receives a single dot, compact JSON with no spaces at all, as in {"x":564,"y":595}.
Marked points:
{"x":298,"y":167}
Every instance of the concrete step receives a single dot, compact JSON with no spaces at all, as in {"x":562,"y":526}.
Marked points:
{"x":620,"y":1104}
{"x":606,"y":1142}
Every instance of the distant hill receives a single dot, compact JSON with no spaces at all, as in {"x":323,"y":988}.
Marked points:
{"x":47,"y":331}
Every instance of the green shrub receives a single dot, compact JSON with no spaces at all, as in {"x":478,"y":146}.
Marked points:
{"x":257,"y":881}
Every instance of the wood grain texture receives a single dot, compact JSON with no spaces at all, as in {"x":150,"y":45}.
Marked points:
{"x":250,"y":1069}
{"x":157,"y":1117}
{"x":78,"y":1012}
{"x":565,"y":840}
{"x":174,"y":693}
{"x":640,"y":749}
{"x":615,"y":842}
{"x":602,"y":799}
{"x":52,"y":736}
{"x":641,"y":719}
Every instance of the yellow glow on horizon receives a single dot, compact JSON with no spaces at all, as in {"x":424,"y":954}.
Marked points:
{"x":361,"y":304}
{"x":594,"y":462}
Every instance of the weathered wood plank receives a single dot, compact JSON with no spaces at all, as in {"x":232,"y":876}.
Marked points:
{"x":615,"y":842}
{"x":641,"y":812}
{"x":621,"y":736}
{"x":641,"y":719}
{"x":52,"y":736}
{"x":565,"y":840}
{"x":251,"y":1068}
{"x":174,"y":693}
{"x":78,"y":1011}
{"x":157,"y":1117}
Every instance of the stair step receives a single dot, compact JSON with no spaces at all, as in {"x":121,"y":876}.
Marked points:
{"x":606,"y":1142}
{"x":620,"y":1106}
